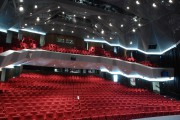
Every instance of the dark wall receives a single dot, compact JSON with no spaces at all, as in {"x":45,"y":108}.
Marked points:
{"x":53,"y":38}
{"x":2,"y":38}
{"x":172,"y":59}
{"x":32,"y":35}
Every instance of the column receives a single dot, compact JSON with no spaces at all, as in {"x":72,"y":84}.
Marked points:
{"x":87,"y":46}
{"x":42,"y":40}
{"x":9,"y":36}
{"x":20,"y":35}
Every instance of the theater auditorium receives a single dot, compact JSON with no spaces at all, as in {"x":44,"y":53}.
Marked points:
{"x":89,"y":60}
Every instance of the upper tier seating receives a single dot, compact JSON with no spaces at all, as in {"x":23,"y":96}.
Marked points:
{"x":29,"y":43}
{"x":61,"y":97}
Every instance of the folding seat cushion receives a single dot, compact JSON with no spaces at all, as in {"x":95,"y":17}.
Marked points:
{"x":39,"y":116}
{"x":49,"y":116}
{"x":3,"y":118}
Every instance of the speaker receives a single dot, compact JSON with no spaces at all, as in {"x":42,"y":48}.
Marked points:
{"x":73,"y":58}
{"x":164,"y":74}
{"x":153,"y":46}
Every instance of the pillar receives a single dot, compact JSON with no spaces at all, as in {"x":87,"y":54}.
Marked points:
{"x":20,"y":35}
{"x":42,"y":40}
{"x":87,"y":46}
{"x":9,"y":36}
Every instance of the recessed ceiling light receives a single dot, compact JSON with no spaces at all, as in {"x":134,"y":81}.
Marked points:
{"x":44,"y":22}
{"x":72,"y":31}
{"x":62,"y":30}
{"x":25,"y":24}
{"x":35,"y":6}
{"x":32,"y":28}
{"x":170,"y":1}
{"x":102,"y":31}
{"x":134,"y":30}
{"x":110,"y":24}
{"x":154,"y":5}
{"x":137,"y":2}
{"x":99,"y":17}
{"x":53,"y":29}
{"x":131,"y":43}
{"x":139,"y":25}
{"x":49,"y":10}
{"x":127,"y":7}
{"x":74,"y":15}
{"x":85,"y":28}
{"x":59,"y":7}
{"x":85,"y":12}
{"x":84,"y":17}
{"x":122,"y":25}
{"x":63,"y":12}
{"x":22,"y":27}
{"x":21,"y":8}
{"x":110,"y":38}
{"x":96,"y":26}
{"x":38,"y":19}
{"x":20,"y":0}
{"x":93,"y":38}
{"x":64,"y":24}
{"x":87,"y":36}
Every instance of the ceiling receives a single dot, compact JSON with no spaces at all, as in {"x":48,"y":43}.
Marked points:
{"x":139,"y":22}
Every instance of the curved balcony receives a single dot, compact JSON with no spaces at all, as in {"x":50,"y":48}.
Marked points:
{"x":41,"y":57}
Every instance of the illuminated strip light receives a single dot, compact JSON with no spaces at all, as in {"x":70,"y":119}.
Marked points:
{"x":14,"y":29}
{"x":33,"y":31}
{"x":126,"y":48}
{"x":3,"y":30}
{"x":139,"y":76}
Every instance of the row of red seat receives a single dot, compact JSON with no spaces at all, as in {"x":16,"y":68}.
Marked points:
{"x":59,"y":97}
{"x":93,"y":51}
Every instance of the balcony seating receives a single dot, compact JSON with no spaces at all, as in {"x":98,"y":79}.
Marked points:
{"x":59,"y":97}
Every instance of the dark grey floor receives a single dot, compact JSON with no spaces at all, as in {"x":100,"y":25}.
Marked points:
{"x":173,"y":117}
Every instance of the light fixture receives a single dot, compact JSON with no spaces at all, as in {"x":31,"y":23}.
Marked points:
{"x":134,"y":30}
{"x":74,"y":15}
{"x":38,"y":19}
{"x":122,"y":25}
{"x":170,"y":1}
{"x":99,"y":17}
{"x":53,"y":29}
{"x":110,"y":24}
{"x":44,"y":22}
{"x":127,"y":7}
{"x":63,"y":12}
{"x":154,"y":5}
{"x":32,"y":28}
{"x":22,"y":27}
{"x":102,"y":31}
{"x":96,"y":26}
{"x":72,"y":31}
{"x":137,"y":2}
{"x":62,"y":30}
{"x":35,"y":6}
{"x":21,"y":8}
{"x":59,"y":7}
{"x":49,"y":10}
{"x":84,"y":17}
{"x":139,"y":25}
{"x":135,"y":20}
{"x":110,"y":38}
{"x":92,"y":37}
{"x":25,"y":24}
{"x":85,"y":28}
{"x":87,"y":36}
{"x":131,"y":43}
{"x":21,"y":1}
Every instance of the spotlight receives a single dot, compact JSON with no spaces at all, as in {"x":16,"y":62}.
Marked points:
{"x":35,"y":6}
{"x":21,"y":9}
{"x":137,"y":2}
